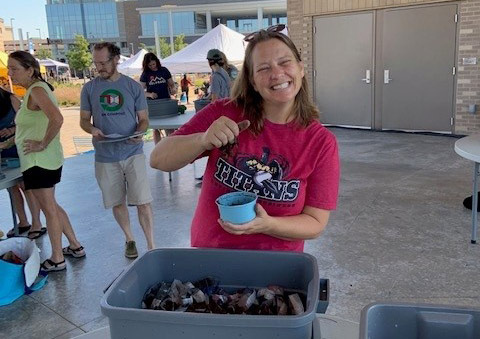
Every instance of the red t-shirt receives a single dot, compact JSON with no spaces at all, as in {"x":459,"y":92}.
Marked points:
{"x":302,"y":164}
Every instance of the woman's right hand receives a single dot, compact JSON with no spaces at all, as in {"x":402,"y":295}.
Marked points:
{"x":222,"y":132}
{"x":152,"y":95}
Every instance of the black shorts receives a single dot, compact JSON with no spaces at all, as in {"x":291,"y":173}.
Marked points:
{"x":37,"y":177}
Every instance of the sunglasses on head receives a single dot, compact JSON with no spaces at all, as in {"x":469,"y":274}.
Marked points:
{"x":272,"y":29}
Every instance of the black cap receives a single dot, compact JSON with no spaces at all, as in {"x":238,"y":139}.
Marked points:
{"x":214,"y":54}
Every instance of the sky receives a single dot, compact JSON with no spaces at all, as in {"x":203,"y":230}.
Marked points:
{"x":28,"y":14}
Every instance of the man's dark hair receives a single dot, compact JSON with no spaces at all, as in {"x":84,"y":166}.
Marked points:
{"x":214,"y":56}
{"x":113,"y":50}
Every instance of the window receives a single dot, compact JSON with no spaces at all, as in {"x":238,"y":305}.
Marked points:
{"x":232,"y":24}
{"x":183,"y":23}
{"x":247,"y":25}
{"x":162,"y":24}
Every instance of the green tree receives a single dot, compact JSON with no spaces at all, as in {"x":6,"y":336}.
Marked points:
{"x":164,"y":48}
{"x":79,"y":56}
{"x":43,"y":53}
{"x":141,"y":45}
{"x":178,"y":44}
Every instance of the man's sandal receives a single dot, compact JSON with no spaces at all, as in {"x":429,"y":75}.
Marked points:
{"x":76,"y":253}
{"x":51,"y":266}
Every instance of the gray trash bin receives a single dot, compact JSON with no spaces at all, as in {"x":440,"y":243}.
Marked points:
{"x":234,"y":269}
{"x":162,"y":107}
{"x":200,"y":103}
{"x":417,"y":321}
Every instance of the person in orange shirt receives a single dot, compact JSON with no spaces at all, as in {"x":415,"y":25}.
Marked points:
{"x":184,"y":84}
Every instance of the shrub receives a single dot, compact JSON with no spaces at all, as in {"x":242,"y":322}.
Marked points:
{"x":67,"y":94}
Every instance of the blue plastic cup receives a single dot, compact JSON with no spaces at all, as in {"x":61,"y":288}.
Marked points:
{"x":237,"y":207}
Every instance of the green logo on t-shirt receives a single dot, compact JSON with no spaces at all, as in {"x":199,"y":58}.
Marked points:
{"x":111,"y":100}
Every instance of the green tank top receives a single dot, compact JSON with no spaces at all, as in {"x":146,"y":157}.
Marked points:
{"x":33,"y":125}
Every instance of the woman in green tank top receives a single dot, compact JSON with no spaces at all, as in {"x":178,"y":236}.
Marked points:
{"x":37,"y":138}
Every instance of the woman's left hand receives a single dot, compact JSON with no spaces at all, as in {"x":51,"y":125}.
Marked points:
{"x":261,"y":224}
{"x":32,"y":146}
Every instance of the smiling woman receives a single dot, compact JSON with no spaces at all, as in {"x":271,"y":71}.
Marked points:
{"x":280,"y":152}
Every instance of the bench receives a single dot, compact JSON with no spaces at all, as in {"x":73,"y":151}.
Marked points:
{"x":82,"y":143}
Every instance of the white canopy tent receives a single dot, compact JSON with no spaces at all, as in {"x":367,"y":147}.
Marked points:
{"x":133,"y":66}
{"x":193,"y":58}
{"x":122,"y":59}
{"x":62,"y":70}
{"x":50,"y":63}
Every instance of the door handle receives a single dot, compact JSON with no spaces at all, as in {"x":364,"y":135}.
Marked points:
{"x":386,"y":76}
{"x":367,"y":76}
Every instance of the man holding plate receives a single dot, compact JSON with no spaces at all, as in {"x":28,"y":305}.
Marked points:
{"x":114,"y":104}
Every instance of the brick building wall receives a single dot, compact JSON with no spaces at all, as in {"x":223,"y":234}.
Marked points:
{"x":300,"y":30}
{"x":300,"y":18}
{"x":133,"y":27}
{"x":468,"y":76}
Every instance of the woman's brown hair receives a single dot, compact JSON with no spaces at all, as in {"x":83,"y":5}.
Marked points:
{"x":149,"y":57}
{"x":26,"y":60}
{"x":245,"y":96}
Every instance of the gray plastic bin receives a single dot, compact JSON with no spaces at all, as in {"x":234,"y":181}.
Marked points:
{"x":417,"y":321}
{"x":235,"y":269}
{"x":162,"y":107}
{"x":201,"y":103}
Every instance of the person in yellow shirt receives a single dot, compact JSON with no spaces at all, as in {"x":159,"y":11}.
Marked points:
{"x":37,"y":138}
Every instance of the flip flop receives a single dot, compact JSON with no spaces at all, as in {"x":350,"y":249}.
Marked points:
{"x":76,"y":253}
{"x":36,"y":234}
{"x":21,"y":229}
{"x":53,"y":266}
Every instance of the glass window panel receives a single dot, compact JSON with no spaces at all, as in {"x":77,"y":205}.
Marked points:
{"x":183,"y":22}
{"x":148,"y":21}
{"x":145,"y":20}
{"x":231,"y":24}
{"x":247,"y":25}
{"x":104,"y":28}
